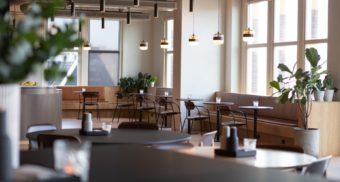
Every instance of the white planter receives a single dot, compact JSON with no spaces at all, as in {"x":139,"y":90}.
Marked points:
{"x":329,"y":95}
{"x":152,"y":84}
{"x":319,"y":95}
{"x":10,"y":102}
{"x":308,"y":139}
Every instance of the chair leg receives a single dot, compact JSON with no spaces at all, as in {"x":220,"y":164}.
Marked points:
{"x":201,"y":127}
{"x":182,"y":124}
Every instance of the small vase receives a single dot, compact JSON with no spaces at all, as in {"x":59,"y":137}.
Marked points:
{"x":329,"y":95}
{"x":319,"y":95}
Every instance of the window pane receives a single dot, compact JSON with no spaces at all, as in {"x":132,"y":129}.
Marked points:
{"x":257,"y":71}
{"x":104,"y":39}
{"x":103,"y":68}
{"x":169,"y":70}
{"x":286,"y":55}
{"x":257,"y":20}
{"x":322,"y":50}
{"x":316,"y":19}
{"x":286,"y":20}
{"x":170,"y":34}
{"x":66,"y":61}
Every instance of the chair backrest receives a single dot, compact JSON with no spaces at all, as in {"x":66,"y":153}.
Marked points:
{"x":41,"y":127}
{"x":225,"y":110}
{"x":281,"y":147}
{"x":138,"y":125}
{"x":47,"y":140}
{"x":318,"y":167}
{"x":207,"y":139}
{"x":189,"y":105}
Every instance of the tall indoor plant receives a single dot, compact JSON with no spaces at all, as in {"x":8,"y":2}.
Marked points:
{"x":297,"y":86}
{"x":23,"y":48}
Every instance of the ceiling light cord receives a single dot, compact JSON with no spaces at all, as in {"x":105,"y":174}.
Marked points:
{"x":102,"y":6}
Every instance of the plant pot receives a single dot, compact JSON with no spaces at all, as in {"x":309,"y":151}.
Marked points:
{"x":308,"y":139}
{"x":319,"y":95}
{"x":329,"y":95}
{"x":152,"y":84}
{"x":10,"y":102}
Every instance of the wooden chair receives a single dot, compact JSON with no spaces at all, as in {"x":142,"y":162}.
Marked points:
{"x":138,"y":125}
{"x":238,"y":118}
{"x":121,"y":105}
{"x":47,"y":140}
{"x":207,"y":139}
{"x":167,"y":108}
{"x":92,"y":99}
{"x":33,"y":144}
{"x":195,"y":113}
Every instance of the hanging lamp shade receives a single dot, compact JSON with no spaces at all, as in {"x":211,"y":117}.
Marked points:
{"x":143,"y":45}
{"x":87,"y":46}
{"x":248,"y":35}
{"x":164,"y":43}
{"x":218,"y":38}
{"x":193,"y":40}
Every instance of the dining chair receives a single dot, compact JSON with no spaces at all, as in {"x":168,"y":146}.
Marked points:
{"x":33,"y":144}
{"x":235,"y":118}
{"x":120,"y":105}
{"x":143,"y":104}
{"x":318,"y":167}
{"x":46,"y":140}
{"x":167,"y":108}
{"x":207,"y":139}
{"x":92,"y":99}
{"x":138,"y":125}
{"x":196,"y":113}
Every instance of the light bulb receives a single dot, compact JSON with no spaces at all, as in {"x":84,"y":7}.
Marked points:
{"x":218,"y":38}
{"x":248,"y":35}
{"x":164,"y":43}
{"x":143,"y":45}
{"x":193,"y":40}
{"x":87,"y":46}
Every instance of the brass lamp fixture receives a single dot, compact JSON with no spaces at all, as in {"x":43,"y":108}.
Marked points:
{"x":87,"y":46}
{"x":193,"y":39}
{"x":164,"y":41}
{"x":218,"y":37}
{"x":248,"y":35}
{"x":143,"y":45}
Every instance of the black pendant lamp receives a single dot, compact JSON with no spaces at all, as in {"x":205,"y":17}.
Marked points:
{"x":128,"y":17}
{"x":103,"y":22}
{"x":191,"y":6}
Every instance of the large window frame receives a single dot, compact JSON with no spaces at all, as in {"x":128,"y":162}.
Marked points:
{"x":168,"y":66}
{"x":301,"y":42}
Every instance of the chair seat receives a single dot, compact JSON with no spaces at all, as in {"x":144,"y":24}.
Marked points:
{"x":197,"y":117}
{"x":145,"y":108}
{"x":233,"y":123}
{"x":169,"y":113}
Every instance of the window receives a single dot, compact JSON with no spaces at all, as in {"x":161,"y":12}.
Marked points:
{"x":104,"y":56}
{"x":277,"y":40}
{"x":169,"y":59}
{"x":67,"y":60}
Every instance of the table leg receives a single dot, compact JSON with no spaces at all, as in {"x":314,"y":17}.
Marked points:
{"x":84,"y":109}
{"x":189,"y":127}
{"x":255,"y":123}
{"x":218,"y":124}
{"x":166,"y":108}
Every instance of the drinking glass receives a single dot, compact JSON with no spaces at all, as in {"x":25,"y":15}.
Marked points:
{"x":218,"y":99}
{"x":106,"y":127}
{"x":72,"y":158}
{"x":141,"y":91}
{"x":166,"y":93}
{"x":249,"y":144}
{"x":255,"y":103}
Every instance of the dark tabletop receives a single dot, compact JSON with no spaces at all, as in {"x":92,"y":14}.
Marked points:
{"x":138,"y":163}
{"x":218,"y":103}
{"x":124,"y":136}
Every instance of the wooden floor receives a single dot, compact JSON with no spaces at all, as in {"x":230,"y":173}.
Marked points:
{"x":333,"y":171}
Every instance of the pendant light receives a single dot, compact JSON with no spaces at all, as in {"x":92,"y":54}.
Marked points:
{"x":155,"y":10}
{"x":191,"y":6}
{"x":164,"y":42}
{"x":218,"y":37}
{"x":73,"y":9}
{"x":135,"y":3}
{"x":128,"y":17}
{"x":193,"y":39}
{"x":103,"y":22}
{"x":248,"y":35}
{"x":143,"y":44}
{"x":102,"y":6}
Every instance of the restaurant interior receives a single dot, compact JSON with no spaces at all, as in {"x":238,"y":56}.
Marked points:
{"x":169,"y":90}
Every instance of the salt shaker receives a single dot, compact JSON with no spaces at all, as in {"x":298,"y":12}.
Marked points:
{"x":87,"y":124}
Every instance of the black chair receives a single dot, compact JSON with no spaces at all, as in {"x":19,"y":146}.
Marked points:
{"x":195,"y":113}
{"x":138,"y":125}
{"x":167,"y":108}
{"x":47,"y":140}
{"x":92,"y":99}
{"x":238,"y":118}
{"x":120,"y":105}
{"x":143,"y":104}
{"x":33,"y":144}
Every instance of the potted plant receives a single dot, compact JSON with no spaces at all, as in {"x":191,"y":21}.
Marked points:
{"x":23,"y":48}
{"x":297,"y":86}
{"x":328,"y":83}
{"x":319,"y":91}
{"x":153,"y":80}
{"x":127,"y":85}
{"x":142,"y":81}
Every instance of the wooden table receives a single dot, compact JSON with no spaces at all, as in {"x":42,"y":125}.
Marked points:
{"x":265,"y":158}
{"x":255,"y":108}
{"x":124,"y":136}
{"x":218,"y":104}
{"x":138,"y":163}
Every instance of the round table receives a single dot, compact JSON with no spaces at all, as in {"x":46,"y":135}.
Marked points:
{"x":124,"y":136}
{"x":265,"y":158}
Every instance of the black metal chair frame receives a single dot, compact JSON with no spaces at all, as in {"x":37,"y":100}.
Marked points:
{"x":33,"y":144}
{"x":142,"y":104}
{"x":190,"y":106}
{"x":92,"y":99}
{"x":47,"y":140}
{"x":120,"y":106}
{"x":236,"y":115}
{"x":170,"y":111}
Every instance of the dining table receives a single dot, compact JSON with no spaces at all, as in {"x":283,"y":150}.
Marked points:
{"x":218,"y":113}
{"x":256,"y":109}
{"x":122,"y":136}
{"x":140,"y":163}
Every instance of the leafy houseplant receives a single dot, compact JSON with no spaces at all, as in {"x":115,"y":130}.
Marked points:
{"x":328,"y":84}
{"x":153,"y":80}
{"x":143,"y":81}
{"x":127,"y":85}
{"x":298,"y":85}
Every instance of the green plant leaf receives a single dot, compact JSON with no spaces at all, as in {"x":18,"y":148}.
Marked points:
{"x":283,"y":67}
{"x":275,"y":85}
{"x":312,"y":56}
